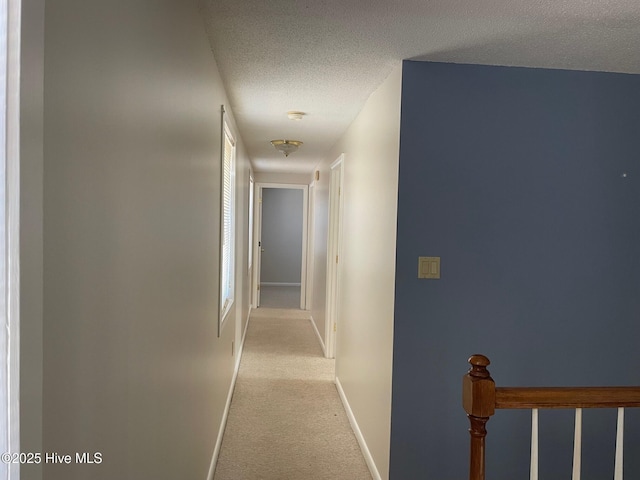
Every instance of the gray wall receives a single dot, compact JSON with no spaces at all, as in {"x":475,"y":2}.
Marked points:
{"x":31,"y":234}
{"x":133,"y":366}
{"x":514,"y":177}
{"x":282,"y":215}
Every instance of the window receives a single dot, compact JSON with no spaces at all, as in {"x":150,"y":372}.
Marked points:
{"x":227,"y":222}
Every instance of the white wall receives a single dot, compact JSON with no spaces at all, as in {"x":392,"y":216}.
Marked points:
{"x":365,"y":323}
{"x":133,"y":366}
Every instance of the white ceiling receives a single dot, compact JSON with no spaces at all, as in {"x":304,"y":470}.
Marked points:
{"x":325,"y":57}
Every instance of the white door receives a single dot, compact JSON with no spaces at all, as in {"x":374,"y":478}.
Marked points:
{"x":310,"y":247}
{"x":257,"y":235}
{"x":333,"y":257}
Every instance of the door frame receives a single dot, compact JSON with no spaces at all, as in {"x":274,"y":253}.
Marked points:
{"x":259,"y":186}
{"x":334,"y":251}
{"x":310,"y":244}
{"x":10,"y":52}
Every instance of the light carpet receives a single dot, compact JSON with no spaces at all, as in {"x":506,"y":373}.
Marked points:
{"x":286,"y":420}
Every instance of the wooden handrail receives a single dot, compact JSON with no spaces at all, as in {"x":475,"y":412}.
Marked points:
{"x":480,"y":399}
{"x":567,"y":397}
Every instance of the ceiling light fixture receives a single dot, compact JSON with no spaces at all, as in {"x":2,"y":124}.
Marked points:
{"x":286,"y":146}
{"x":295,"y":115}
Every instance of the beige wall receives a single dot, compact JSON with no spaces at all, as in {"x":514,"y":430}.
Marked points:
{"x":133,"y":366}
{"x":31,"y":235}
{"x":365,"y":324}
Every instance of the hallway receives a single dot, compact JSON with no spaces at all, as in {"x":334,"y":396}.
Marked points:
{"x":286,"y":420}
{"x":127,"y":345}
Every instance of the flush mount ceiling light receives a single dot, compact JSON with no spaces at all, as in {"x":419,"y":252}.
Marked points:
{"x":286,"y":146}
{"x":295,"y":115}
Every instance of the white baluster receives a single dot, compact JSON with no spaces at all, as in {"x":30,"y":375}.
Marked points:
{"x":534,"y":444}
{"x":577,"y":445}
{"x":619,"y":445}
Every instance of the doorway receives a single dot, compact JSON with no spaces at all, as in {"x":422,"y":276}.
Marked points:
{"x":333,"y":254}
{"x":281,"y":246}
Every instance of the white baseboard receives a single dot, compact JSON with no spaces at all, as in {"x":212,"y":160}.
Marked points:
{"x":315,"y":329}
{"x":223,"y":424}
{"x":356,"y":430}
{"x":225,"y":415}
{"x":280,"y":284}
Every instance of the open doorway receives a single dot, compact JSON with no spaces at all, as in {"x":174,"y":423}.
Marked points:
{"x":281,"y":246}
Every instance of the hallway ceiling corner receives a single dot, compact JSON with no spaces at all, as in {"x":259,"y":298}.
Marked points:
{"x":326,"y":57}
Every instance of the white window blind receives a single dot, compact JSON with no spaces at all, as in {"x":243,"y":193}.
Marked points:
{"x":227,"y":223}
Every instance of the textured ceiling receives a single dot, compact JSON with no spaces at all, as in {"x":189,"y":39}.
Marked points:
{"x":325,"y":57}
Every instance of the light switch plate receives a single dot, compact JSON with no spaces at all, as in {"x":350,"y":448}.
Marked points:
{"x":429,"y":267}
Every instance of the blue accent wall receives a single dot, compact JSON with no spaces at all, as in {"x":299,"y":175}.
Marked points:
{"x":526,"y":182}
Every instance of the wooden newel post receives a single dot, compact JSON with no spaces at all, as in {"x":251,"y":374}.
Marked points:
{"x":479,"y":401}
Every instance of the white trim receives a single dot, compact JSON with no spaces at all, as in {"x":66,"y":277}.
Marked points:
{"x":315,"y":329}
{"x":280,"y":284}
{"x":577,"y":445}
{"x":225,"y":414}
{"x":225,"y":301}
{"x":257,"y":248}
{"x":252,"y":191}
{"x":10,"y":125}
{"x":336,"y":207}
{"x":225,"y":312}
{"x":368,"y":458}
{"x":310,"y":245}
{"x":619,"y":463}
{"x":305,"y":242}
{"x":533,"y":475}
{"x":223,"y":424}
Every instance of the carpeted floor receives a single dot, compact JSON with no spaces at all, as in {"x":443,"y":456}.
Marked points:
{"x":286,"y":421}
